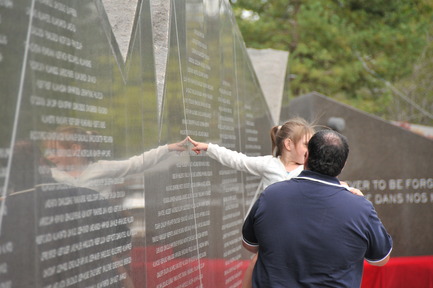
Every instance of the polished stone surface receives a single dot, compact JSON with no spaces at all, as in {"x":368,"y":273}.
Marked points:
{"x":91,"y":196}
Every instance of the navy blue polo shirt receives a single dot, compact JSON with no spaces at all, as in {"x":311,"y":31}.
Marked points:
{"x":312,"y":232}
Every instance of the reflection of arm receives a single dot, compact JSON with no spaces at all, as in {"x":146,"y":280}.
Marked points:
{"x":237,"y":160}
{"x":133,"y":165}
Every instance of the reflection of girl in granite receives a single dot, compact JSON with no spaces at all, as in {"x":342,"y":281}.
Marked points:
{"x":74,"y":164}
{"x":46,"y":225}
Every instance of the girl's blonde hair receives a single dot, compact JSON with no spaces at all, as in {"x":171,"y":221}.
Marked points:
{"x":294,"y":129}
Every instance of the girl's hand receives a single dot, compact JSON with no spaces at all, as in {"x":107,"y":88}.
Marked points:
{"x":356,"y":191}
{"x":197,"y":146}
{"x":351,"y":189}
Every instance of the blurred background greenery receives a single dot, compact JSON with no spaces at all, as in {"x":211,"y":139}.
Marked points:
{"x":375,"y":55}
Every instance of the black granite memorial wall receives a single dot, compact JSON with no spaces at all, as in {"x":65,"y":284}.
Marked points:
{"x":91,"y":196}
{"x":392,"y":166}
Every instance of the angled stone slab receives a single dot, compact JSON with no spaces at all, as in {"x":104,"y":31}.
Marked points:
{"x":391,"y":165}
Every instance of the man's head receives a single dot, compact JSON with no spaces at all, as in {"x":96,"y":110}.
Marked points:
{"x":327,"y":152}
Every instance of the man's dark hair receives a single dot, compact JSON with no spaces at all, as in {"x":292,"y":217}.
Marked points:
{"x":327,"y":152}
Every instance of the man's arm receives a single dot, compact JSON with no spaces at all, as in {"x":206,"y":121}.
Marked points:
{"x":249,"y":240}
{"x":380,"y":242}
{"x":251,"y":248}
{"x":380,"y":262}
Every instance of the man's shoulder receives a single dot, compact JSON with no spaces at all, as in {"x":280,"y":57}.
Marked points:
{"x":279,"y":186}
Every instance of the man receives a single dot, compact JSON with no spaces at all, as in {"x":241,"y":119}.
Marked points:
{"x":310,"y":231}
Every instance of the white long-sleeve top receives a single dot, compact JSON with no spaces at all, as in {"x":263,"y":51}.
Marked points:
{"x":101,"y":175}
{"x":268,"y":167}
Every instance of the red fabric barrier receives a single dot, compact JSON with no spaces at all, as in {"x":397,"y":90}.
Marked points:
{"x":400,"y":272}
{"x":167,"y":271}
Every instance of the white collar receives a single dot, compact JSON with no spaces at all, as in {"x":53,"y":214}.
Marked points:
{"x":321,"y":181}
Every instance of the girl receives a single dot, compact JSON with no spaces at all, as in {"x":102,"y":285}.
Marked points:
{"x":289,"y":147}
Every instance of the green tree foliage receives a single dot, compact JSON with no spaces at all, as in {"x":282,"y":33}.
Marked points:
{"x":367,"y":53}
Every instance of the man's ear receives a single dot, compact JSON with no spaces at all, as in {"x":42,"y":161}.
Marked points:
{"x":306,"y":160}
